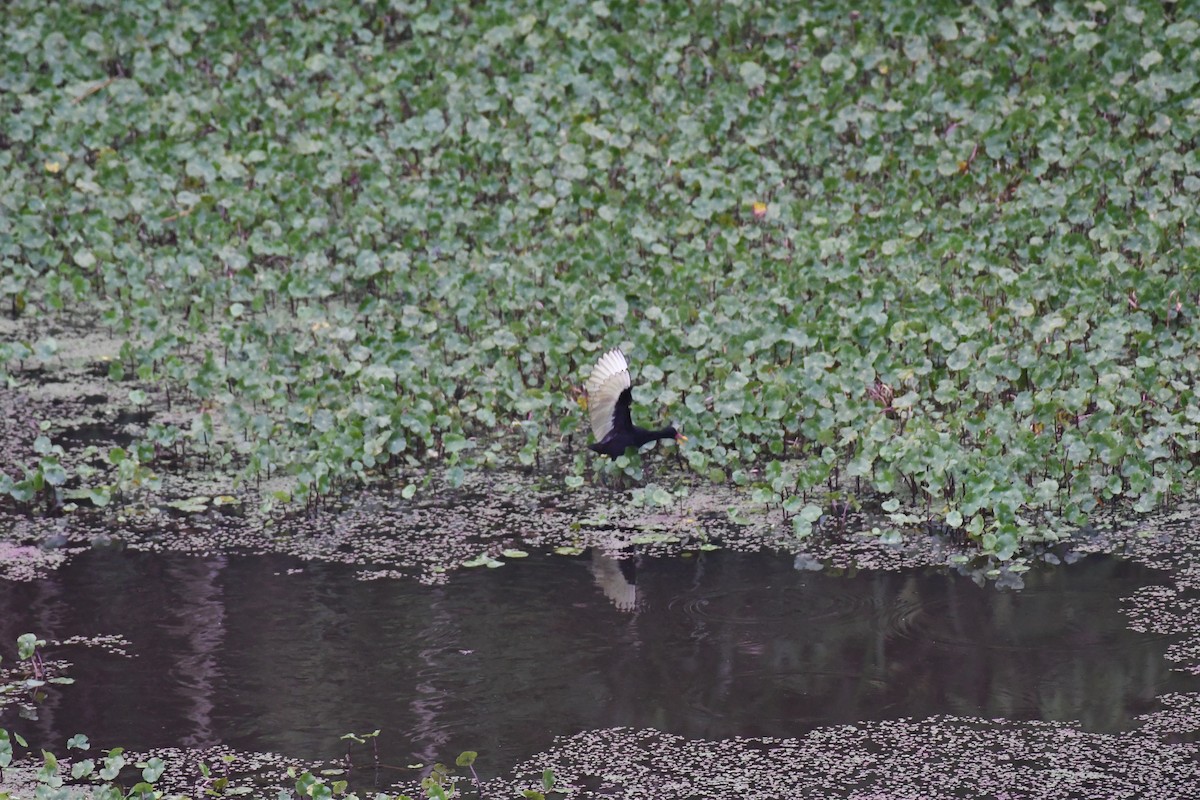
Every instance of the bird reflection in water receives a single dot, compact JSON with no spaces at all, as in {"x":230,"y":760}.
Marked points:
{"x":617,"y":578}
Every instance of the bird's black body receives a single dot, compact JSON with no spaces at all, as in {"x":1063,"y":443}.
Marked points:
{"x":625,"y":434}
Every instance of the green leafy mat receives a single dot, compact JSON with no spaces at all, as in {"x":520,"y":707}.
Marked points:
{"x":945,"y":255}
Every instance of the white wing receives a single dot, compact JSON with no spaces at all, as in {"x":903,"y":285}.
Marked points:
{"x":609,"y":378}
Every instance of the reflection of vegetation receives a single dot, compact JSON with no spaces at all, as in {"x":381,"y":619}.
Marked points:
{"x":106,"y":778}
{"x":825,"y":650}
{"x":942,"y":256}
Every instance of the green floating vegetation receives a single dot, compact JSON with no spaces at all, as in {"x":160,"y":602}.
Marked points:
{"x":947,"y":255}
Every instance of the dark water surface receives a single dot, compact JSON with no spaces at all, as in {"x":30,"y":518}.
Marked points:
{"x":236,"y":650}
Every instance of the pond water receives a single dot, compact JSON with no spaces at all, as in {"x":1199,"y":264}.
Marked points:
{"x":275,"y":654}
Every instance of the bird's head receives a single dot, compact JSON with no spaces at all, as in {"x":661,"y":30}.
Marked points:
{"x":676,"y":434}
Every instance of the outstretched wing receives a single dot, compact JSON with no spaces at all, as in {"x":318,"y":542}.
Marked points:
{"x":609,"y":395}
